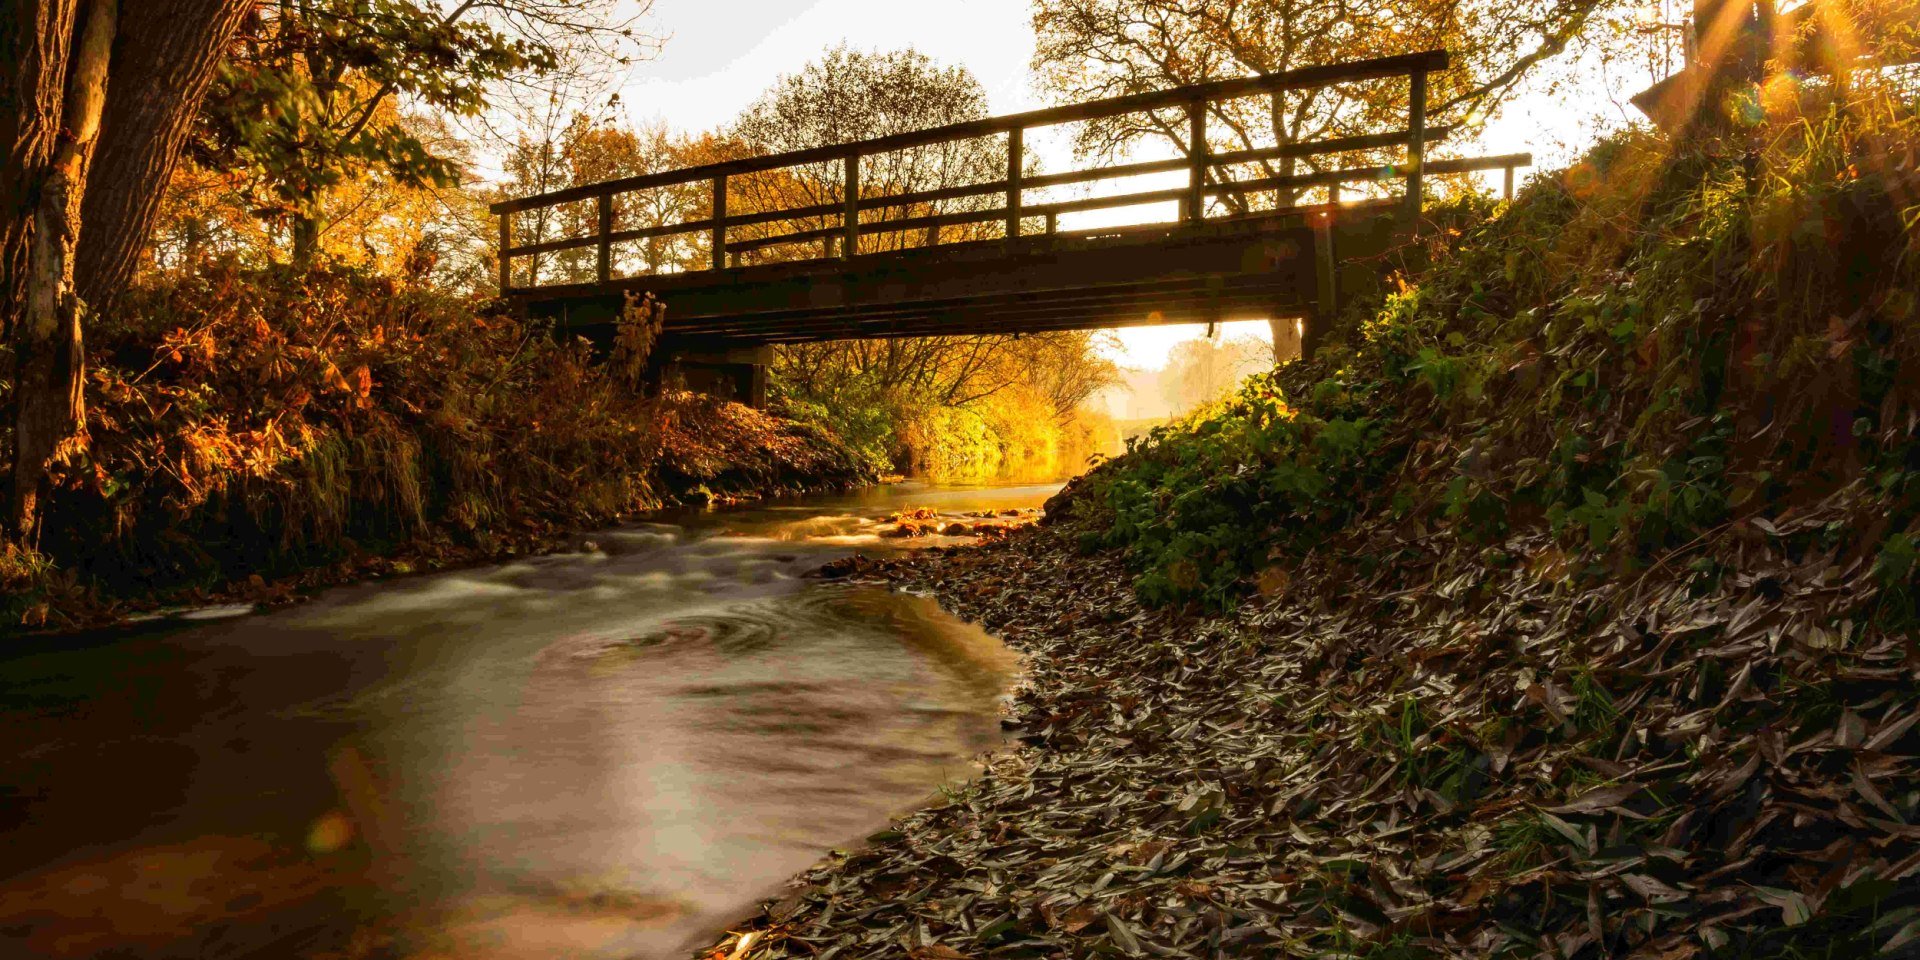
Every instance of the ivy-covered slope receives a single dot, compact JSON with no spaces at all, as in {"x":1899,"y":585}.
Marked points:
{"x":1567,"y":609}
{"x":1598,"y":543}
{"x":1670,"y":363}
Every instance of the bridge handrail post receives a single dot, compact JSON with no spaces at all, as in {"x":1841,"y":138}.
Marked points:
{"x":1016,"y":161}
{"x":1507,"y":192}
{"x":719,"y":242}
{"x":1198,"y":155}
{"x":506,"y":259}
{"x":1416,"y":146}
{"x":850,"y":219}
{"x":604,"y":266}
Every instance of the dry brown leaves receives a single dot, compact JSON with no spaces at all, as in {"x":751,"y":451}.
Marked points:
{"x":1458,"y":756}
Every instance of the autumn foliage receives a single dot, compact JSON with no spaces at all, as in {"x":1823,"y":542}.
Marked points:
{"x":262,"y":420}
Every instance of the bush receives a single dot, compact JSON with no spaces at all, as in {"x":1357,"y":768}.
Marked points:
{"x":250,"y":421}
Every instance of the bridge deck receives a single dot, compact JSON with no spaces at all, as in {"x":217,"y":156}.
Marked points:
{"x":1225,"y":269}
{"x":873,"y":263}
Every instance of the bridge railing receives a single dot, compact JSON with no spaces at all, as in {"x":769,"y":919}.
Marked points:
{"x":843,"y":227}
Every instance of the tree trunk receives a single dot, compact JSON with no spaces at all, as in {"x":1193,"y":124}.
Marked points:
{"x":48,"y":360}
{"x":305,"y":230}
{"x":32,"y":88}
{"x":162,"y":63}
{"x":56,"y":113}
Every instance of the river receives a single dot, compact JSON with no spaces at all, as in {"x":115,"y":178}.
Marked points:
{"x":609,"y":752}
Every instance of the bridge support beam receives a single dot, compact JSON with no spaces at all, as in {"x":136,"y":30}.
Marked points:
{"x":730,"y":373}
{"x":1326,"y":276}
{"x":1286,"y":329}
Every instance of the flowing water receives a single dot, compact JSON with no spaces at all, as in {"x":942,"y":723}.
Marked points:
{"x":611,"y":752}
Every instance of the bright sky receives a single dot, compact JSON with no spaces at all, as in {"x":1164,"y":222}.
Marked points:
{"x":719,"y":55}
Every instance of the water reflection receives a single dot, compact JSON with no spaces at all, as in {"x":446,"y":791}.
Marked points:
{"x":610,"y":752}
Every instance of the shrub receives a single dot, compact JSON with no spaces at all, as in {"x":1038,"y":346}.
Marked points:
{"x":262,"y":420}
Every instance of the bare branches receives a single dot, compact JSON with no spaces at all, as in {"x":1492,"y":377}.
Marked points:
{"x":1097,"y":48}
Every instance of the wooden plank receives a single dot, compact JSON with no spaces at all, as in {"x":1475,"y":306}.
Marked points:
{"x":973,"y":216}
{"x":1301,"y":79}
{"x":1325,"y":178}
{"x":1416,"y":146}
{"x":1021,"y":317}
{"x":1025,"y":306}
{"x":1105,"y":173}
{"x":1326,"y":268}
{"x":1313,"y":148}
{"x":850,"y":217}
{"x":1033,"y":318}
{"x":1195,"y":203}
{"x":1163,"y":288}
{"x":604,"y":262}
{"x":718,"y":238}
{"x":506,"y":252}
{"x":1016,"y":158}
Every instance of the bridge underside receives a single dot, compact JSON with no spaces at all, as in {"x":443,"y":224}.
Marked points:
{"x":1259,"y":266}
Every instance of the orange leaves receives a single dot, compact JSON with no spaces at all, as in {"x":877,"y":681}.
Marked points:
{"x":246,"y":419}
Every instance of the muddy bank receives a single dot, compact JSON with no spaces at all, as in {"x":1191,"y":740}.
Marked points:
{"x":1451,"y":758}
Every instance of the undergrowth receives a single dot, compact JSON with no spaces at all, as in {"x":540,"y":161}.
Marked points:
{"x":247,"y":422}
{"x":1660,"y":353}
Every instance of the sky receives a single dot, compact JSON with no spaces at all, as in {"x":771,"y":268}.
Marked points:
{"x":719,"y":55}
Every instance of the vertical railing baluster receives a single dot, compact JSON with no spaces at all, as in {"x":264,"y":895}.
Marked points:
{"x":850,"y":219}
{"x":1416,"y":146}
{"x":1016,"y":162}
{"x":1198,"y":154}
{"x":605,"y":265}
{"x":506,"y":259}
{"x":719,"y":242}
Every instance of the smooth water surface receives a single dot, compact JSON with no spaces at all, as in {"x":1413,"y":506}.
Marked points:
{"x":612,"y":752}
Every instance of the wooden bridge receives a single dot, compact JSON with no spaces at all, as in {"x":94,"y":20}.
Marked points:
{"x":984,"y":258}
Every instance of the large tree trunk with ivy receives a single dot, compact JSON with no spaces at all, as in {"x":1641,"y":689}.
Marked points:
{"x":54,"y":115}
{"x":173,"y":50}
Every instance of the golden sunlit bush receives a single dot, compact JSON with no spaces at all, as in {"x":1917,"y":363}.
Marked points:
{"x":951,"y":443}
{"x":1016,"y":433}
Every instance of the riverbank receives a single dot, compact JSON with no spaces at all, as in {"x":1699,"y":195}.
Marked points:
{"x":1563,"y":605}
{"x":1479,"y":766}
{"x":256,"y":433}
{"x":733,"y":455}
